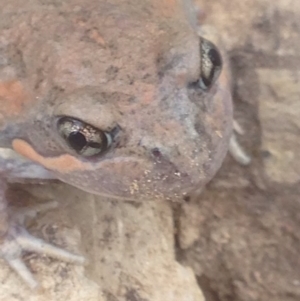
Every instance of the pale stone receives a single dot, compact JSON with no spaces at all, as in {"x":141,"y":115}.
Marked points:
{"x":129,"y":246}
{"x":279,"y":113}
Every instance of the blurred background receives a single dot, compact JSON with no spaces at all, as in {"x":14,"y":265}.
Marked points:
{"x":248,"y":245}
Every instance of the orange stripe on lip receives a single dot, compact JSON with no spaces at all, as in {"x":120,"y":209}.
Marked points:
{"x":66,"y":163}
{"x":62,"y":164}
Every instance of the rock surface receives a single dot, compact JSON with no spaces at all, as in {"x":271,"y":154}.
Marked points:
{"x":242,"y":235}
{"x":129,"y":246}
{"x":279,"y":112}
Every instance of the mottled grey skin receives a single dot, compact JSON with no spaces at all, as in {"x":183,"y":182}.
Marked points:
{"x":108,"y":63}
{"x":112,"y":63}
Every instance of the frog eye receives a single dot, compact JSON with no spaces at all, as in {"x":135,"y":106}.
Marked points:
{"x":83,"y":138}
{"x":211,"y":64}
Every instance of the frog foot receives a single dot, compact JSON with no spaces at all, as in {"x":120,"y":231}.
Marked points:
{"x":17,"y":240}
{"x":235,"y":148}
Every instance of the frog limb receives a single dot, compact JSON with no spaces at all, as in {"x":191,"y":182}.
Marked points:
{"x":14,"y":240}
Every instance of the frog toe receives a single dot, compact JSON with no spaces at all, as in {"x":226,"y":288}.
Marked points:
{"x":21,"y":269}
{"x":235,"y":149}
{"x":237,"y":152}
{"x":18,"y":240}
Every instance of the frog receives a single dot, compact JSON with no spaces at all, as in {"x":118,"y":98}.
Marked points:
{"x":120,"y":98}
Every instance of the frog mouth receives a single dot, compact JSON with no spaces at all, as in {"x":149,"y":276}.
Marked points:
{"x":126,"y":178}
{"x":122,"y":177}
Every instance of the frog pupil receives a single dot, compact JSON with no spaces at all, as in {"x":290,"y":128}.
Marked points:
{"x":215,"y":57}
{"x":77,"y":140}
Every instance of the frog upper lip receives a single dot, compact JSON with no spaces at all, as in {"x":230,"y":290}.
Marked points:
{"x":119,"y":159}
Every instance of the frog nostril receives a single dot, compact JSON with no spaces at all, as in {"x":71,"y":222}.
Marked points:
{"x":156,"y":152}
